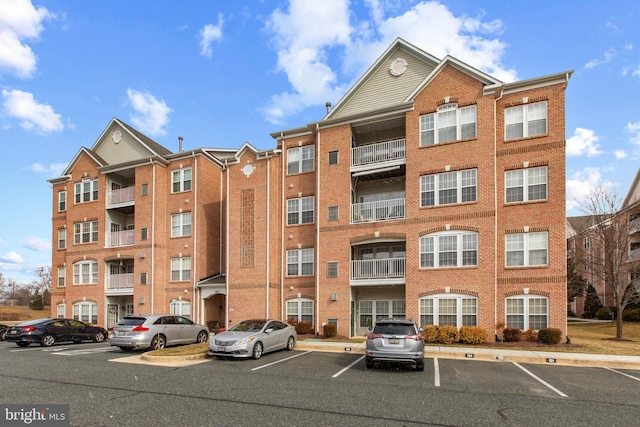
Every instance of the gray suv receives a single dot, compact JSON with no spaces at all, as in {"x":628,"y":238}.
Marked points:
{"x":156,"y":331}
{"x":397,"y":341}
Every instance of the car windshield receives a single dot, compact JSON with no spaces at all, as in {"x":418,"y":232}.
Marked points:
{"x":132,"y":321}
{"x":249,"y":326}
{"x":394,"y":329}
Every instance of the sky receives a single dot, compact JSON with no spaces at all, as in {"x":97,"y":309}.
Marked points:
{"x":221,"y":73}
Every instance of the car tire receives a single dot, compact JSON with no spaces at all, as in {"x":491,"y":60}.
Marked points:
{"x":22,"y":344}
{"x":420,"y":366}
{"x":158,"y":342}
{"x":2,"y":334}
{"x":257,"y":350}
{"x":125,"y":348}
{"x":368,"y":363}
{"x":202,"y":337}
{"x":47,"y":340}
{"x":291,"y":342}
{"x":99,"y":337}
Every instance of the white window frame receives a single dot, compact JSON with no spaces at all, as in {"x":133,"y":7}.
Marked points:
{"x":86,"y":191}
{"x":86,"y":311}
{"x":300,"y":159}
{"x":300,"y":310}
{"x":62,"y":277}
{"x":180,"y":269}
{"x":181,"y":308}
{"x":463,"y":307}
{"x":62,"y":238}
{"x":519,"y":120}
{"x":62,"y":201}
{"x":527,"y":310}
{"x":85,"y":273}
{"x":332,"y":269}
{"x":448,"y":116}
{"x":61,"y":310}
{"x":181,"y":224}
{"x":296,"y":209}
{"x":526,"y":243}
{"x":442,"y":242}
{"x":527,"y":180}
{"x":88,"y":229}
{"x":179,"y":180}
{"x":448,"y":181}
{"x":297,"y":259}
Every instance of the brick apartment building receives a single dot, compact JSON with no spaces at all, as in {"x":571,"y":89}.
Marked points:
{"x":430,"y":190}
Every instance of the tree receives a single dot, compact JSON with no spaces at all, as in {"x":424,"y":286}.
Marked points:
{"x":576,"y":285}
{"x":591,"y":303}
{"x":610,"y":238}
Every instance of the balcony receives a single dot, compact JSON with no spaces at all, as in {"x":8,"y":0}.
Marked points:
{"x":388,"y":153}
{"x":115,"y":239}
{"x":120,"y":281}
{"x":378,"y":271}
{"x":122,"y":196}
{"x":634,"y":226}
{"x":382,"y":210}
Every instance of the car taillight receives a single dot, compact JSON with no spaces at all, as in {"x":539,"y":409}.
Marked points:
{"x":413,"y":337}
{"x":28,"y":329}
{"x":374,"y":336}
{"x":139,"y":329}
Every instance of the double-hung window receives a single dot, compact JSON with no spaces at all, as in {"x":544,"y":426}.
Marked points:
{"x":62,"y":238}
{"x":300,"y":310}
{"x":86,"y":191}
{"x":449,"y":309}
{"x":527,"y":249}
{"x":62,"y":201}
{"x":450,"y":187}
{"x":527,"y":311}
{"x":85,"y":232}
{"x":449,"y":123}
{"x":525,"y":185}
{"x":300,"y":211}
{"x":181,"y":224}
{"x":300,"y":262}
{"x":85,"y":273}
{"x":62,"y":277}
{"x":525,"y":120}
{"x":449,"y":249}
{"x":180,"y":269}
{"x":300,"y":159}
{"x":181,"y":180}
{"x":86,"y":312}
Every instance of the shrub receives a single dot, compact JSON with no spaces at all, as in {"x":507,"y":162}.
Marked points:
{"x":512,"y":334}
{"x":632,"y":315}
{"x":605,"y":313}
{"x":549,"y":335}
{"x":430,"y":333}
{"x":330,"y":330}
{"x":473,"y":334}
{"x":303,"y":328}
{"x":530,"y":335}
{"x":571,"y":313}
{"x":591,"y":303}
{"x":448,"y":334}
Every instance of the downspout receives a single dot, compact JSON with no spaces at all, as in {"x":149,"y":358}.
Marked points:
{"x":153,"y":233}
{"x":495,"y":209}
{"x":267,"y":230}
{"x":226,"y":257}
{"x":194,"y":229}
{"x":282,"y":216}
{"x":317,"y":202}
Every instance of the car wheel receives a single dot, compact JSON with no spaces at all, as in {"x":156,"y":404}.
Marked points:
{"x":47,"y":340}
{"x":99,"y":337}
{"x":22,"y":344}
{"x":257,"y":350}
{"x":158,"y":342}
{"x":202,"y":337}
{"x":126,"y":348}
{"x":2,"y":334}
{"x":368,"y":363}
{"x":420,"y":366}
{"x":291,"y":342}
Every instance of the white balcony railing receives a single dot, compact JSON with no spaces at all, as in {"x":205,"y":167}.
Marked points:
{"x":120,"y":238}
{"x":120,"y":281}
{"x":381,"y":210}
{"x":122,"y":195}
{"x":389,"y":268}
{"x":378,"y":153}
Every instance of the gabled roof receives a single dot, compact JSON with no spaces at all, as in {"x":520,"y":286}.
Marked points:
{"x":633,"y":195}
{"x":153,"y":147}
{"x":233,"y":157}
{"x":79,"y":154}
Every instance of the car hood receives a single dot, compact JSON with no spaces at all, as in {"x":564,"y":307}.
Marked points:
{"x":234,"y":335}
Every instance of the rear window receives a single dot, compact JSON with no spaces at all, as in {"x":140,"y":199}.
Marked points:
{"x":394,"y":329}
{"x":132,"y":321}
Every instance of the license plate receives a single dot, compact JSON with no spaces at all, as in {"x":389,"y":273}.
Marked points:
{"x":392,"y":341}
{"x":13,"y":332}
{"x":121,"y":333}
{"x":222,"y":348}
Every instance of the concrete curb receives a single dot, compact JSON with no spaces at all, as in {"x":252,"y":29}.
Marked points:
{"x":152,"y":358}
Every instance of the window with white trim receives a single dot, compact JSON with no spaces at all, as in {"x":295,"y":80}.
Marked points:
{"x":300,"y":159}
{"x":181,"y":308}
{"x":377,"y":309}
{"x":85,"y":232}
{"x":62,"y":277}
{"x":86,"y":191}
{"x":62,"y":238}
{"x":449,"y":249}
{"x":527,"y":249}
{"x":300,"y":310}
{"x":525,"y":185}
{"x":300,"y":262}
{"x":527,"y":311}
{"x":62,"y":201}
{"x":450,"y":187}
{"x":181,"y":224}
{"x":180,"y":269}
{"x":86,"y":312}
{"x":525,"y":120}
{"x":449,"y":309}
{"x":300,"y":211}
{"x":449,"y":123}
{"x":61,"y":311}
{"x":181,"y":180}
{"x":332,"y":269}
{"x":333,"y":157}
{"x":85,"y":273}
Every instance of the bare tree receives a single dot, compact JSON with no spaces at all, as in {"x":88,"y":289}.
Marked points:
{"x":611,"y":236}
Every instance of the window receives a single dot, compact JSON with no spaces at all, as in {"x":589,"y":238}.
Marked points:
{"x":86,"y":191}
{"x":61,"y":311}
{"x":181,"y":224}
{"x":449,"y":123}
{"x":447,"y":249}
{"x":333,"y":213}
{"x":450,"y":187}
{"x":300,"y":211}
{"x":300,"y":262}
{"x":449,"y":309}
{"x":62,"y":277}
{"x":62,"y":238}
{"x":85,"y":232}
{"x":62,"y":201}
{"x":86,"y":312}
{"x":144,"y":189}
{"x":85,"y":273}
{"x":181,"y":180}
{"x":300,"y":159}
{"x":144,"y":233}
{"x":527,"y":311}
{"x":180,"y":269}
{"x":332,"y":269}
{"x":300,"y":310}
{"x":143,"y":278}
{"x":527,"y":249}
{"x":525,"y":120}
{"x":181,"y":308}
{"x":525,"y":185}
{"x":333,"y":157}
{"x":370,"y":310}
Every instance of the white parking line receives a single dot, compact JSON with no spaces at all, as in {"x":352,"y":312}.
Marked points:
{"x":540,"y":380}
{"x":436,"y":368}
{"x":622,"y":373}
{"x":346,"y":369}
{"x":86,"y":351}
{"x":39,"y":349}
{"x":278,"y":361}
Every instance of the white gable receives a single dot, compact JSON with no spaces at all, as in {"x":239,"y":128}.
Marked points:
{"x":122,"y":147}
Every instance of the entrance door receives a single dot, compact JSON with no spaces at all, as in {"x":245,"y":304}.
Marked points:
{"x":112,"y":315}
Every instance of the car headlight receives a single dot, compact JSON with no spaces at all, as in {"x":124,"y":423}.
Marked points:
{"x":245,"y":340}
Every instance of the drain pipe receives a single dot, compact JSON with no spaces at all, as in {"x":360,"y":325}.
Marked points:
{"x":495,"y":210}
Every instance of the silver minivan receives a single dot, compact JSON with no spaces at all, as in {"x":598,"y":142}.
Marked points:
{"x":156,"y":331}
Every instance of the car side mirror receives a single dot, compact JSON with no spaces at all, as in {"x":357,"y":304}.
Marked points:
{"x":421,"y":330}
{"x":268,"y":331}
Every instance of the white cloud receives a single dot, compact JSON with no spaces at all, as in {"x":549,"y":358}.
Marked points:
{"x":580,"y":185}
{"x":150,"y":115}
{"x":34,"y":116}
{"x":54,"y":169}
{"x":209,"y":34}
{"x":608,"y":56}
{"x":633,"y":129}
{"x":20,"y":20}
{"x":583,"y":143}
{"x":621,"y":154}
{"x":11,"y":258}
{"x":37,"y":243}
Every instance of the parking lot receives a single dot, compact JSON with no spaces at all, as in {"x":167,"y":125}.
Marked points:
{"x":312,"y":388}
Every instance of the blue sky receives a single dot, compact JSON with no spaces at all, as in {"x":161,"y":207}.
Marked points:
{"x":220,"y":73}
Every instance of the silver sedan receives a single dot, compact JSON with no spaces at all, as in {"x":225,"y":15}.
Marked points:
{"x":253,"y":338}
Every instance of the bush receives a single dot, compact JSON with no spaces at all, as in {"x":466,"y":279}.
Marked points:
{"x":303,"y":328}
{"x":606,"y":313}
{"x":512,"y":334}
{"x":448,"y":334}
{"x":530,"y":335}
{"x":571,"y":313}
{"x":430,"y":333}
{"x":549,"y":335}
{"x":330,"y":330}
{"x":37,"y":301}
{"x":591,"y":303}
{"x":632,"y":315}
{"x":473,"y":334}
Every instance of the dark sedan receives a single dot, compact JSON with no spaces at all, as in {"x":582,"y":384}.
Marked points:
{"x":47,"y":332}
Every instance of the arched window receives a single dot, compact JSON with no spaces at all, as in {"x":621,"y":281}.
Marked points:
{"x":449,"y":309}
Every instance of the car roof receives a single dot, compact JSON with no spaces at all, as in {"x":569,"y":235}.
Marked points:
{"x":395,"y":320}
